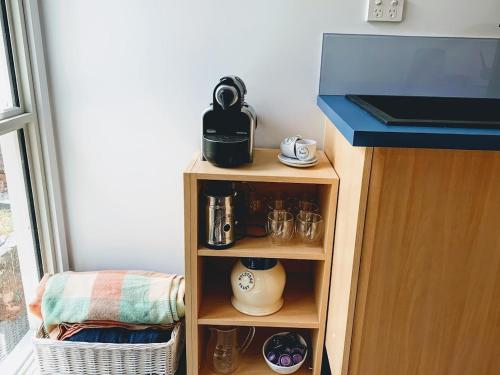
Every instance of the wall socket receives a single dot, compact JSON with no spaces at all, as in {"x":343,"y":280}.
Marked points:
{"x":385,"y":10}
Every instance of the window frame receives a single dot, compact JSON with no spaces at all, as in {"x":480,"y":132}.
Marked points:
{"x":37,"y":125}
{"x":34,"y":118}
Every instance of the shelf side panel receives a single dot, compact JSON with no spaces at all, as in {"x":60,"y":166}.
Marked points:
{"x":353,"y":166}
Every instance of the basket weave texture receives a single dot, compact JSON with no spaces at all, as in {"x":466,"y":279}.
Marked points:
{"x":57,"y":357}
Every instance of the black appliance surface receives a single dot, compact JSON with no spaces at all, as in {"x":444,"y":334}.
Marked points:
{"x":432,"y":111}
{"x":226,"y":150}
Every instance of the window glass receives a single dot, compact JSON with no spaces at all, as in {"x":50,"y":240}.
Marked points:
{"x":19,"y":260}
{"x":8,"y":91}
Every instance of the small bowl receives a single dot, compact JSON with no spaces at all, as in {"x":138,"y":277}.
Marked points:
{"x":281,"y":369}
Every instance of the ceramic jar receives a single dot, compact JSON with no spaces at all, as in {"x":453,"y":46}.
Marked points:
{"x":258,"y":285}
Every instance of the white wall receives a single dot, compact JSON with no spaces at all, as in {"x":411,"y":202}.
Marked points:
{"x":129,"y":80}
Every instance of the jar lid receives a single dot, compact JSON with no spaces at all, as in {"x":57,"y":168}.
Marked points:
{"x":259,"y":264}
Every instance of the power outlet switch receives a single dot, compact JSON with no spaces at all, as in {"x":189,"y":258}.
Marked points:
{"x":385,"y":10}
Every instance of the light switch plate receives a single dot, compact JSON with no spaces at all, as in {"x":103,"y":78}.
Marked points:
{"x":385,"y":10}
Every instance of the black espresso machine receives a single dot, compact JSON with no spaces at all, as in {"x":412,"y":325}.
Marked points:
{"x":228,"y":125}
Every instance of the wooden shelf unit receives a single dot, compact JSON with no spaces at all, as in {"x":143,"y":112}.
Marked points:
{"x":308,"y":268}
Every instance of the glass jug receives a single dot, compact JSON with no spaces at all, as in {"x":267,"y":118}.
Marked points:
{"x":223,"y":352}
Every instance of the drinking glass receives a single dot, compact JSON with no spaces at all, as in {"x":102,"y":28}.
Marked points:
{"x":280,"y":226}
{"x":255,"y":204}
{"x":279,"y":201}
{"x":309,"y":227}
{"x":307,"y":206}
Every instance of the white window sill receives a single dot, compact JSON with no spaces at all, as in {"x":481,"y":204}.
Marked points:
{"x":21,"y":360}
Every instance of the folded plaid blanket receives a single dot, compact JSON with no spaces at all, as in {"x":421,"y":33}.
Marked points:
{"x":134,"y":297}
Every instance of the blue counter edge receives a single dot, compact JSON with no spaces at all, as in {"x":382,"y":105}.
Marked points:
{"x":362,"y":129}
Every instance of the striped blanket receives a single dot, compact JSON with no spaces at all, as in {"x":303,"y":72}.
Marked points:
{"x":133,"y":297}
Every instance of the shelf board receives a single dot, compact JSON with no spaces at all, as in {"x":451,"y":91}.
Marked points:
{"x":253,"y":364}
{"x":252,"y":361}
{"x":298,"y":311}
{"x":262,"y":247}
{"x":267,"y":168}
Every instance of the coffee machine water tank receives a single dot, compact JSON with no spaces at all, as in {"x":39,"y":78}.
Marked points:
{"x":228,"y":125}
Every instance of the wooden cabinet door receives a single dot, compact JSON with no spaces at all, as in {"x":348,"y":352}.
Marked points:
{"x":428,"y":298}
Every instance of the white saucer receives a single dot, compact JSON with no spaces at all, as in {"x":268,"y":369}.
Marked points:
{"x":291,"y":162}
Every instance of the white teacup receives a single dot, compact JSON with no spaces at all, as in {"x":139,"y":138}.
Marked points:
{"x":305,"y":149}
{"x":287,"y":146}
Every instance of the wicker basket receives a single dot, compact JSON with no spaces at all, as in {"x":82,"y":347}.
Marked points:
{"x":66,"y":357}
